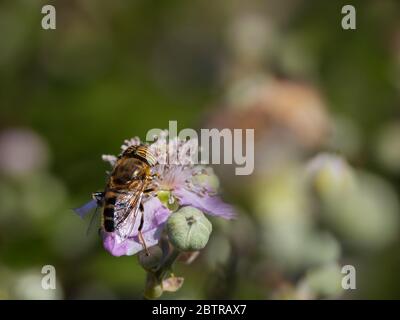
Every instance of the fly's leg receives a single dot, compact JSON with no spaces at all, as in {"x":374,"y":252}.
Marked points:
{"x":140,"y":231}
{"x":149,"y":191}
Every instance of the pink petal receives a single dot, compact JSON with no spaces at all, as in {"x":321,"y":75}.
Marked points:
{"x":155,"y":215}
{"x":127,"y":247}
{"x":212,"y":205}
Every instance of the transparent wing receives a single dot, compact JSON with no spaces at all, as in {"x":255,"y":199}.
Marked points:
{"x":126,"y":210}
{"x":97,"y":201}
{"x":86,"y":208}
{"x":94,"y":221}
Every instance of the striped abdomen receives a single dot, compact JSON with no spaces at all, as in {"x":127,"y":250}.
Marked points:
{"x":108,"y":211}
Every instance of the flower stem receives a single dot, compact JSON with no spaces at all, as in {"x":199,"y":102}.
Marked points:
{"x":154,"y":280}
{"x":167,"y":264}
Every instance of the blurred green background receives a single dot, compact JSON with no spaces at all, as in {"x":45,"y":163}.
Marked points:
{"x":115,"y":69}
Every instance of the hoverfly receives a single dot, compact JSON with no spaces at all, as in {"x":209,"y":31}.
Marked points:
{"x":130,"y":179}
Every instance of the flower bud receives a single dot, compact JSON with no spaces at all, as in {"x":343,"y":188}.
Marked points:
{"x":207,"y":179}
{"x":152,"y":261}
{"x":188,"y":229}
{"x":153,"y":288}
{"x":331,"y":175}
{"x":324,"y":281}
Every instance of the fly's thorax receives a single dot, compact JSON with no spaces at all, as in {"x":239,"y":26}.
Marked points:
{"x":128,"y":170}
{"x":141,"y":152}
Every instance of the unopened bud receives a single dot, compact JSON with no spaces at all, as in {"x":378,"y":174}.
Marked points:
{"x":188,"y":229}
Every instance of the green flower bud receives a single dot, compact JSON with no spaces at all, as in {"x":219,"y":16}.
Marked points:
{"x":188,"y":229}
{"x":153,"y":288}
{"x":331,"y":175}
{"x":151,"y":262}
{"x":324,"y":281}
{"x":208,"y":179}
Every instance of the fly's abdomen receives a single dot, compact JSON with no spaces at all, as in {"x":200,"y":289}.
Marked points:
{"x":108,"y":211}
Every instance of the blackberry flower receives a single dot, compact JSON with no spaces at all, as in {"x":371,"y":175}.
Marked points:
{"x":179,"y":182}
